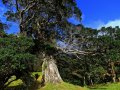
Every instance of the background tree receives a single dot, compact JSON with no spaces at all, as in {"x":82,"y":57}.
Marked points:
{"x":95,"y":52}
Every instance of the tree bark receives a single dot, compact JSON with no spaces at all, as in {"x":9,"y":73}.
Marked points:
{"x":113,"y":72}
{"x":50,"y":71}
{"x":84,"y":81}
{"x":90,"y":80}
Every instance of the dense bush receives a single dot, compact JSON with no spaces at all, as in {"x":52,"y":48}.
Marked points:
{"x":15,"y":58}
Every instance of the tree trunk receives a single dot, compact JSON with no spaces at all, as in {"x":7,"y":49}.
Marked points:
{"x":113,"y":72}
{"x":90,"y":80}
{"x":50,"y":71}
{"x":84,"y":81}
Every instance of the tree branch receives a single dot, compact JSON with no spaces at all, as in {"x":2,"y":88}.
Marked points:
{"x":75,"y":51}
{"x":17,"y":6}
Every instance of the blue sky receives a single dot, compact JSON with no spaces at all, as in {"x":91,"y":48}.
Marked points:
{"x":96,"y":13}
{"x":13,"y":26}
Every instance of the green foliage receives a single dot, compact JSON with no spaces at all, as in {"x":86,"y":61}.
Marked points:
{"x":15,"y":57}
{"x":40,"y":18}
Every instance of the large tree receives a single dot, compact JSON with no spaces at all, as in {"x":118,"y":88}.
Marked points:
{"x":44,"y":21}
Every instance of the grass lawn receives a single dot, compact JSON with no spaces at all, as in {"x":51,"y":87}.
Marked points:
{"x":62,"y":86}
{"x":108,"y":86}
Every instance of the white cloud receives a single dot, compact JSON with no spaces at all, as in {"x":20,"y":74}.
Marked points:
{"x":112,"y":23}
{"x":95,"y":24}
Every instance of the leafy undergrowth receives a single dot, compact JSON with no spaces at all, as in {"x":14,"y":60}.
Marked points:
{"x":108,"y":86}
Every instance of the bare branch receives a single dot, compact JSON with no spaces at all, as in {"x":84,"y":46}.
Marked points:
{"x":17,"y":6}
{"x":26,"y":21}
{"x":75,"y":51}
{"x":29,"y":6}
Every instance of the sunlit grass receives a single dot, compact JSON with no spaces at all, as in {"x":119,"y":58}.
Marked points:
{"x":14,"y":83}
{"x":39,"y":73}
{"x":109,"y":86}
{"x":62,"y":86}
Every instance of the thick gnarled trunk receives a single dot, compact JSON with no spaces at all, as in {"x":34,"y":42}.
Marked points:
{"x":50,"y":71}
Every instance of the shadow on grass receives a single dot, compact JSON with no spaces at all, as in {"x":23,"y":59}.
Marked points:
{"x":36,"y":85}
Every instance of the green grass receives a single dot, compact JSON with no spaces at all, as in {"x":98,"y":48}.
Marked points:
{"x":109,"y":86}
{"x":62,"y":86}
{"x":14,"y":83}
{"x":39,"y":73}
